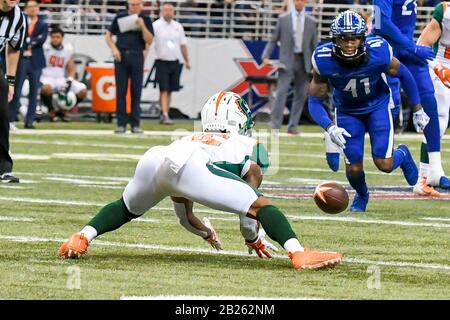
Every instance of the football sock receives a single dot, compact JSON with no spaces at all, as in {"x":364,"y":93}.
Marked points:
{"x":111,"y":217}
{"x":424,"y":170}
{"x":431,"y":131}
{"x":424,"y":167}
{"x":424,"y":153}
{"x":358,"y":182}
{"x":436,"y":170}
{"x":89,"y":232}
{"x":292,"y":245}
{"x":275,"y":224}
{"x":398,"y":158}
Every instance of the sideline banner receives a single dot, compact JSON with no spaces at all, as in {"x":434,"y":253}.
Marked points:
{"x":217,"y":64}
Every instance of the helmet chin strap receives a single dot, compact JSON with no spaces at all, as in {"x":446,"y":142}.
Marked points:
{"x":350,"y":55}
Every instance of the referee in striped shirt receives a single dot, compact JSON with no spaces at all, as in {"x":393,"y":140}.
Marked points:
{"x":12,"y":34}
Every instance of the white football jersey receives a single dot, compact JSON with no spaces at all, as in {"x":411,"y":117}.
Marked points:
{"x":56,"y":60}
{"x":232,"y":152}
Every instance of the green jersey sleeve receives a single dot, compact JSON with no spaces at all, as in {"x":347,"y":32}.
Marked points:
{"x":234,"y":168}
{"x":261,"y":156}
{"x":438,"y":14}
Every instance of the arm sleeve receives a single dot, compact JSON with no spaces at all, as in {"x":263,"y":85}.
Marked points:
{"x":408,"y":84}
{"x":183,"y":39}
{"x":261,"y":156}
{"x":180,"y":210}
{"x":438,"y":14}
{"x":387,"y":29}
{"x":318,"y":112}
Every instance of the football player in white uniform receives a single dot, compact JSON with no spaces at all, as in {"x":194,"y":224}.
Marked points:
{"x":58,"y":77}
{"x":207,"y":168}
{"x":437,"y":34}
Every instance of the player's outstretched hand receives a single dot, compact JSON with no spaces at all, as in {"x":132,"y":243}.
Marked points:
{"x":213,"y":238}
{"x":424,"y":53}
{"x":337,"y":135}
{"x":261,"y":245}
{"x":443,"y":73}
{"x":420,"y":120}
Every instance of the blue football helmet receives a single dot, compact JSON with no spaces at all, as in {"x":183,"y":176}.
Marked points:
{"x":346,"y":26}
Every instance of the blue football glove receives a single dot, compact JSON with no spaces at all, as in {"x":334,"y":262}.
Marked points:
{"x":424,"y":53}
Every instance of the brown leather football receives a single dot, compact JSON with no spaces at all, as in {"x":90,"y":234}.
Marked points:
{"x":331,"y":197}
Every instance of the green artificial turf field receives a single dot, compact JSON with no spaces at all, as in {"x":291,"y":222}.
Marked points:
{"x":398,"y":249}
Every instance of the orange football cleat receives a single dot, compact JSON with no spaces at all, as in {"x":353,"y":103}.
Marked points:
{"x":314,"y":259}
{"x":423,"y":189}
{"x":75,"y":247}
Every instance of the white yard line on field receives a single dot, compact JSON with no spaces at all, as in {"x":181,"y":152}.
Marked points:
{"x":9,"y":186}
{"x":18,"y":219}
{"x":178,"y":249}
{"x":436,"y":219}
{"x":100,"y":186}
{"x":52,"y":201}
{"x":309,"y":181}
{"x":65,"y":175}
{"x":83,"y":182}
{"x":77,"y":144}
{"x":21,"y":156}
{"x":370,"y":221}
{"x":98,"y":156}
{"x":293,"y":168}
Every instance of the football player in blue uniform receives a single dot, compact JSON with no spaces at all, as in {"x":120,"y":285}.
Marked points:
{"x":395,"y":20}
{"x":356,"y":67}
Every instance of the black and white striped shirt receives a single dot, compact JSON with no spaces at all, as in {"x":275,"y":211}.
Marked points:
{"x":13,"y":28}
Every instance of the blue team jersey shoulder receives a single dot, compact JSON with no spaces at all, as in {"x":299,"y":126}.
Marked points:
{"x":323,"y":61}
{"x":380,"y":52}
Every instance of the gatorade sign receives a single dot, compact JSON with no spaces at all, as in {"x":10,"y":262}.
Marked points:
{"x":106,"y":87}
{"x":103,"y":84}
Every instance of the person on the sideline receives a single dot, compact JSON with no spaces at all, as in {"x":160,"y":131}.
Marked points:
{"x":128,"y":54}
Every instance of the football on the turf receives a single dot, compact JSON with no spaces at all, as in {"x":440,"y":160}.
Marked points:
{"x":331,"y":197}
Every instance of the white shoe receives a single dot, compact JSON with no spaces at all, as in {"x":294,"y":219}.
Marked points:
{"x":12,"y":127}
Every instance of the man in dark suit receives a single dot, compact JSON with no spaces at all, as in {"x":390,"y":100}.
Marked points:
{"x":296,"y":32}
{"x":31,"y":64}
{"x":128,"y":53}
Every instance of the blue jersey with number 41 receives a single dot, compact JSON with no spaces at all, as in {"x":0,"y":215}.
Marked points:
{"x":358,"y":90}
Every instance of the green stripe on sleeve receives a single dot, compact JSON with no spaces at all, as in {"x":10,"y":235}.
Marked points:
{"x":261,"y":156}
{"x":438,"y":14}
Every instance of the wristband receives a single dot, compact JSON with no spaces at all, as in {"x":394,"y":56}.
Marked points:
{"x":11,"y":80}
